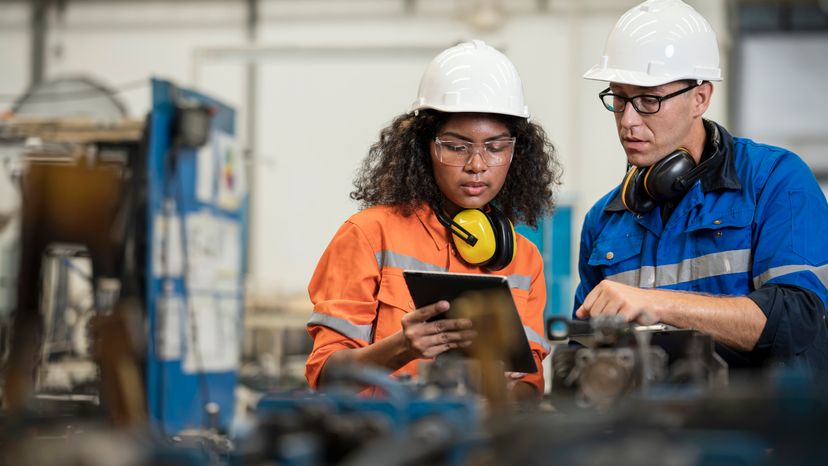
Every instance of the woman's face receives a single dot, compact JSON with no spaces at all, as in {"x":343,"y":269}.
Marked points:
{"x":474,"y":184}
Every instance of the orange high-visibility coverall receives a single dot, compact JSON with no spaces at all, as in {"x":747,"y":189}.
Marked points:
{"x":360,"y":296}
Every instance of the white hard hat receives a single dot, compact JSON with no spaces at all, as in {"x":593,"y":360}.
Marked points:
{"x":471,"y":77}
{"x":657,"y":42}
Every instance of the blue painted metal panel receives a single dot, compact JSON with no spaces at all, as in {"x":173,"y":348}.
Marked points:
{"x":177,"y":397}
{"x":553,"y":237}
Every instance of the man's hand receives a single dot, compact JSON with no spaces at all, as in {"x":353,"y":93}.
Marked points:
{"x":428,"y":339}
{"x":612,"y":298}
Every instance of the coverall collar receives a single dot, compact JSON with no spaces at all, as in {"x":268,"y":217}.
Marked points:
{"x":429,"y":220}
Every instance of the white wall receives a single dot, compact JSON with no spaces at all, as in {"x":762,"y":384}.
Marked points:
{"x":782,"y":96}
{"x":317,"y":112}
{"x":14,"y":52}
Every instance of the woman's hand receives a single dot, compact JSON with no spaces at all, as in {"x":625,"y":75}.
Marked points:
{"x":425,"y":339}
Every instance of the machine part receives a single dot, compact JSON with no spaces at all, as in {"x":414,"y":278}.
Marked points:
{"x":496,"y":88}
{"x":604,"y":376}
{"x":85,"y":443}
{"x":615,"y":359}
{"x":81,"y":202}
{"x":10,"y":155}
{"x":431,"y":441}
{"x":449,"y":375}
{"x":340,"y":427}
{"x":66,"y":303}
{"x":658,"y":42}
{"x":192,"y":124}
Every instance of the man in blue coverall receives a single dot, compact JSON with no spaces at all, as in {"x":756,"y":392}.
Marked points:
{"x":707,"y":230}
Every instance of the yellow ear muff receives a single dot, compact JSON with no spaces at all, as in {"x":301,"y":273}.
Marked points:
{"x":476,"y":222}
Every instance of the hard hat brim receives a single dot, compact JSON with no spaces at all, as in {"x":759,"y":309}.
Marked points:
{"x":471,"y":109}
{"x":614,"y":75}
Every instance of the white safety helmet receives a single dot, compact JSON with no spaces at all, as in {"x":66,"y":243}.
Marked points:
{"x":471,"y":77}
{"x":657,"y":42}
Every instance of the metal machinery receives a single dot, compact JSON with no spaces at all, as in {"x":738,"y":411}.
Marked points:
{"x":609,"y":359}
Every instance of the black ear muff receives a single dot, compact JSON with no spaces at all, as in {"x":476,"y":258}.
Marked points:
{"x":664,"y":181}
{"x":670,"y":178}
{"x":633,"y":194}
{"x":505,"y":240}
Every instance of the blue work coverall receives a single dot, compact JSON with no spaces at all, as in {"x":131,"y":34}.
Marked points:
{"x":754,"y":225}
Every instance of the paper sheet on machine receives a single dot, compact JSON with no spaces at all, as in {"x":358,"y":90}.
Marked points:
{"x":213,"y":254}
{"x":212,"y":334}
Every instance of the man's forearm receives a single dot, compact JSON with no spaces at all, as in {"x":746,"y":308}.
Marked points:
{"x":734,"y":321}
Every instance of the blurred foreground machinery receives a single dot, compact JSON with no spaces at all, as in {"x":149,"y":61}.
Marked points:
{"x":401,"y":425}
{"x":770,"y":418}
{"x":608,"y":359}
{"x":765,"y":418}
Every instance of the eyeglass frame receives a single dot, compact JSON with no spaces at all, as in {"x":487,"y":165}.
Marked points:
{"x":470,"y":147}
{"x":631,"y":100}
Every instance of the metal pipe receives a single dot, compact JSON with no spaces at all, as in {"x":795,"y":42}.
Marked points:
{"x":40,"y":9}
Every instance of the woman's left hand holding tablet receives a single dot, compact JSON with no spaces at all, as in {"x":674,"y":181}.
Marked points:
{"x":425,"y":339}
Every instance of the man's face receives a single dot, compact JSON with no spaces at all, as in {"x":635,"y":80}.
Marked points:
{"x":648,"y":138}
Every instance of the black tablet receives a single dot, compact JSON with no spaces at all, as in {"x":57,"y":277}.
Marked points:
{"x":474,"y":296}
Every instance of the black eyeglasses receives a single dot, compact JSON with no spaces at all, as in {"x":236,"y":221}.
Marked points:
{"x":645,"y":104}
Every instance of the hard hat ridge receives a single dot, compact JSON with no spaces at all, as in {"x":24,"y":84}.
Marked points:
{"x":471,"y":77}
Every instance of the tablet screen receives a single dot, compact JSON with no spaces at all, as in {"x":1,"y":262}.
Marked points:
{"x":486,"y":300}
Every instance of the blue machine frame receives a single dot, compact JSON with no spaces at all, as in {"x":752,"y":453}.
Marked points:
{"x":178,"y":390}
{"x":553,"y":237}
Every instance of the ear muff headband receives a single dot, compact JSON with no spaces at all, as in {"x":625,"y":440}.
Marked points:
{"x":625,"y":187}
{"x":647,"y":172}
{"x":633,"y":194}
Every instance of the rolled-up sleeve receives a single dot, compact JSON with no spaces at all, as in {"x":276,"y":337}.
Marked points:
{"x":343,"y":290}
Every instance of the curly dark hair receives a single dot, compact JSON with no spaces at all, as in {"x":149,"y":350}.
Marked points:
{"x":398,"y":168}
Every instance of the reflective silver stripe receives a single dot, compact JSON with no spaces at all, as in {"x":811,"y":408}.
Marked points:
{"x":634,"y":277}
{"x":520,"y":282}
{"x":821,"y":273}
{"x":361,"y":332}
{"x":386,"y":258}
{"x":532,"y":335}
{"x":696,"y":268}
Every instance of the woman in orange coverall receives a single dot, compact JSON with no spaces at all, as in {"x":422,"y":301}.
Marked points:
{"x":467,"y":143}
